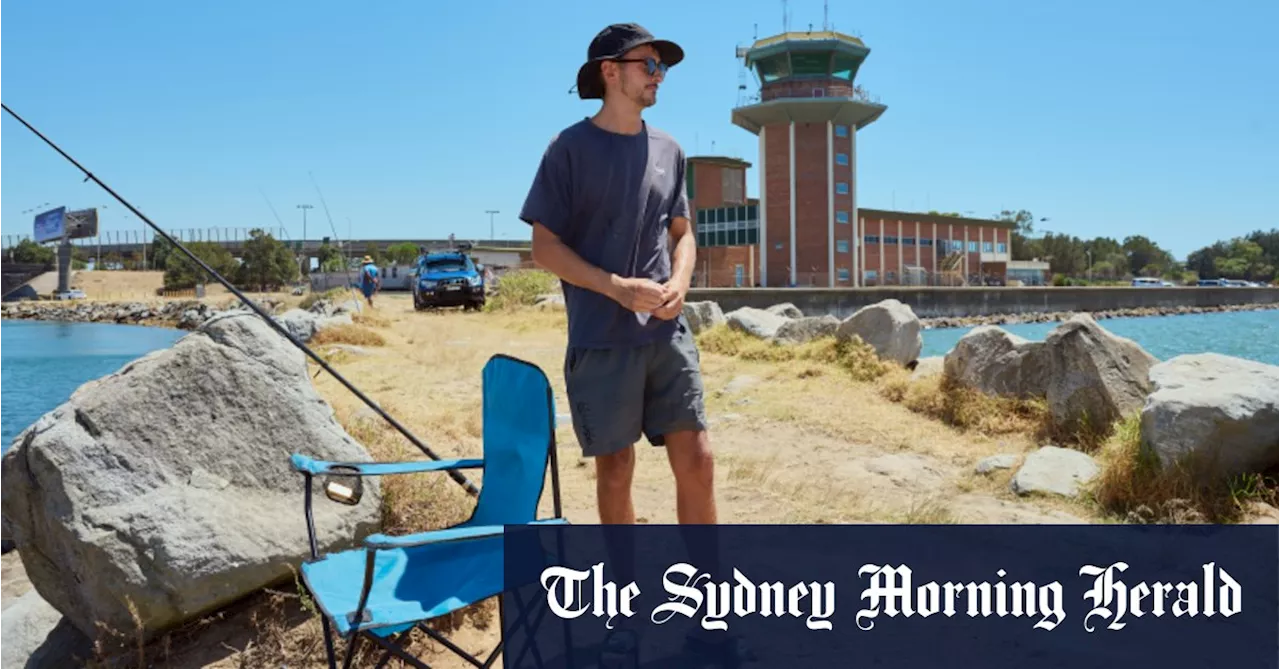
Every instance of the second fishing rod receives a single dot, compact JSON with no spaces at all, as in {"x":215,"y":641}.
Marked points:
{"x":89,"y":176}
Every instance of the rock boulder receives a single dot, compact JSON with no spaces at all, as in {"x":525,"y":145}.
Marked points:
{"x":167,"y":484}
{"x":1054,"y":470}
{"x":996,"y":362}
{"x":1214,"y":413}
{"x":755,"y":322}
{"x":889,"y":326}
{"x":703,"y":316}
{"x":1095,"y":377}
{"x":300,"y":323}
{"x":787,"y":310}
{"x":806,"y":329}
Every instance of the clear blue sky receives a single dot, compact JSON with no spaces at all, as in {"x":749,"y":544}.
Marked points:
{"x":416,"y":116}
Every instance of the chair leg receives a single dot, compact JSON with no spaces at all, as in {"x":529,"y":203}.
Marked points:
{"x":351,"y":649}
{"x":328,"y":642}
{"x":399,"y":652}
{"x":450,"y":645}
{"x":523,"y":620}
{"x":386,"y":656}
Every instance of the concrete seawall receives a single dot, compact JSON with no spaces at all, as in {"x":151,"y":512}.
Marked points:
{"x":961,"y":302}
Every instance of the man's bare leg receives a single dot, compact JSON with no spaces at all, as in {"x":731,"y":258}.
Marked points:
{"x":614,"y":473}
{"x":693,"y":465}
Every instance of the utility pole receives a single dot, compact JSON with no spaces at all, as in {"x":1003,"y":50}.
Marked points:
{"x":303,"y":263}
{"x":491,"y":212}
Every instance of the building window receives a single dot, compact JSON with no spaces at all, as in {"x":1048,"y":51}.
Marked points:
{"x":890,"y":240}
{"x":987,"y":247}
{"x":842,"y":274}
{"x":973,"y":247}
{"x":908,"y":241}
{"x":842,"y":131}
{"x":957,"y":245}
{"x":842,"y":159}
{"x":842,"y":246}
{"x":869,"y":275}
{"x":871,"y":239}
{"x":1001,"y":248}
{"x":778,"y":246}
{"x":842,"y":217}
{"x":842,"y":188}
{"x":926,"y":242}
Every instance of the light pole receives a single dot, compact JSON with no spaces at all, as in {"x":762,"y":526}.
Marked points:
{"x":491,"y":212}
{"x":303,"y":262}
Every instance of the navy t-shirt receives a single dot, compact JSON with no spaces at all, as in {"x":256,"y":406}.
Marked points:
{"x":611,"y":198}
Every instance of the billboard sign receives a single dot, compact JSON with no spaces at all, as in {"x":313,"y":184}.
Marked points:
{"x":81,"y":223}
{"x":49,"y":225}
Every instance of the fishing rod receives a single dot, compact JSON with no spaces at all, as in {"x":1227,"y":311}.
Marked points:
{"x":346,"y":264}
{"x":453,"y":473}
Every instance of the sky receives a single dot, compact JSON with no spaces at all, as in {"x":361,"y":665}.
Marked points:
{"x":413,"y":118}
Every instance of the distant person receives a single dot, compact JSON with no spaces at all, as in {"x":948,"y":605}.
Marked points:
{"x":369,"y":280}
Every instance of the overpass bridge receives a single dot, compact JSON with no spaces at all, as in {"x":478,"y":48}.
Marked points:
{"x":134,"y":243}
{"x":18,"y":275}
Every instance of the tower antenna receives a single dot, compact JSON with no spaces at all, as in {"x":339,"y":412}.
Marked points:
{"x":785,"y":22}
{"x":824,"y":15}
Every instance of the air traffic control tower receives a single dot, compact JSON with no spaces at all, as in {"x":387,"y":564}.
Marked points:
{"x":807,"y":116}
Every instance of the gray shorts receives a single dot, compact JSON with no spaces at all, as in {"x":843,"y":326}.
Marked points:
{"x":615,"y":395}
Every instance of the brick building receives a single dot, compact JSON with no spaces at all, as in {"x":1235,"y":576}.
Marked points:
{"x":806,"y":228}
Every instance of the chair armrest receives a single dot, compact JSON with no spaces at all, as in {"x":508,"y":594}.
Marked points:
{"x":384,"y":541}
{"x":302,"y":463}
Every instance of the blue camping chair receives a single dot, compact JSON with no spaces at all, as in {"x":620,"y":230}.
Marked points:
{"x":396,"y":583}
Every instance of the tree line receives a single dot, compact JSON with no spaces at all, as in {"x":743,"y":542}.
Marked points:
{"x":1252,"y":257}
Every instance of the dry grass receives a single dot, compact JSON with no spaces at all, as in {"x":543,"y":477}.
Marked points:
{"x":1134,"y":488}
{"x":348,"y":334}
{"x":853,"y":356}
{"x":966,"y":408}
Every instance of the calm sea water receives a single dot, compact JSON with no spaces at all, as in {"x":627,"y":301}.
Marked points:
{"x":42,"y":363}
{"x":1253,"y":335}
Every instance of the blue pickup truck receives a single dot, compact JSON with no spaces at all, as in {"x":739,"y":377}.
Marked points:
{"x":447,"y":279}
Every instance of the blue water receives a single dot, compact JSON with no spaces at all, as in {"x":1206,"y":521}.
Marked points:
{"x":42,"y":363}
{"x":1253,"y":335}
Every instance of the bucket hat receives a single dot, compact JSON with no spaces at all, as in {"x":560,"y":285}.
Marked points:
{"x":613,"y":42}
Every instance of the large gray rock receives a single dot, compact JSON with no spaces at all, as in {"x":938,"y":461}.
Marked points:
{"x":300,"y":323}
{"x":1095,"y":377}
{"x":787,"y":310}
{"x":703,"y":316}
{"x":995,"y":362}
{"x":167,"y":484}
{"x":889,"y":326}
{"x":1213,"y":413}
{"x":928,"y":367}
{"x":806,"y":329}
{"x":755,"y":322}
{"x":1053,"y":470}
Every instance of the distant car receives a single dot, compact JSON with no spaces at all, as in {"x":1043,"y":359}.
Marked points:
{"x":448,"y":279}
{"x":1145,"y":282}
{"x":1212,"y":282}
{"x":73,"y":294}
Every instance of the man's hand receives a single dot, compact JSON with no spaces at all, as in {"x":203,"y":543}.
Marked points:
{"x":640,"y":295}
{"x":674,"y":306}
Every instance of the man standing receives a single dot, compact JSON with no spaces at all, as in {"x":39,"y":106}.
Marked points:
{"x":610,"y":217}
{"x":369,"y":281}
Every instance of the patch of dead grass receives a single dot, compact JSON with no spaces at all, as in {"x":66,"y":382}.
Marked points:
{"x":1132,"y":486}
{"x":348,"y":334}
{"x":965,"y":408}
{"x":853,"y":355}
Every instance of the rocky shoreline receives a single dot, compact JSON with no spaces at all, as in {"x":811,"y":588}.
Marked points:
{"x":181,"y":314}
{"x":1063,"y":316}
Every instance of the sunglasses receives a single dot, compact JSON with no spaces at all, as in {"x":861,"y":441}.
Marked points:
{"x":652,"y":66}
